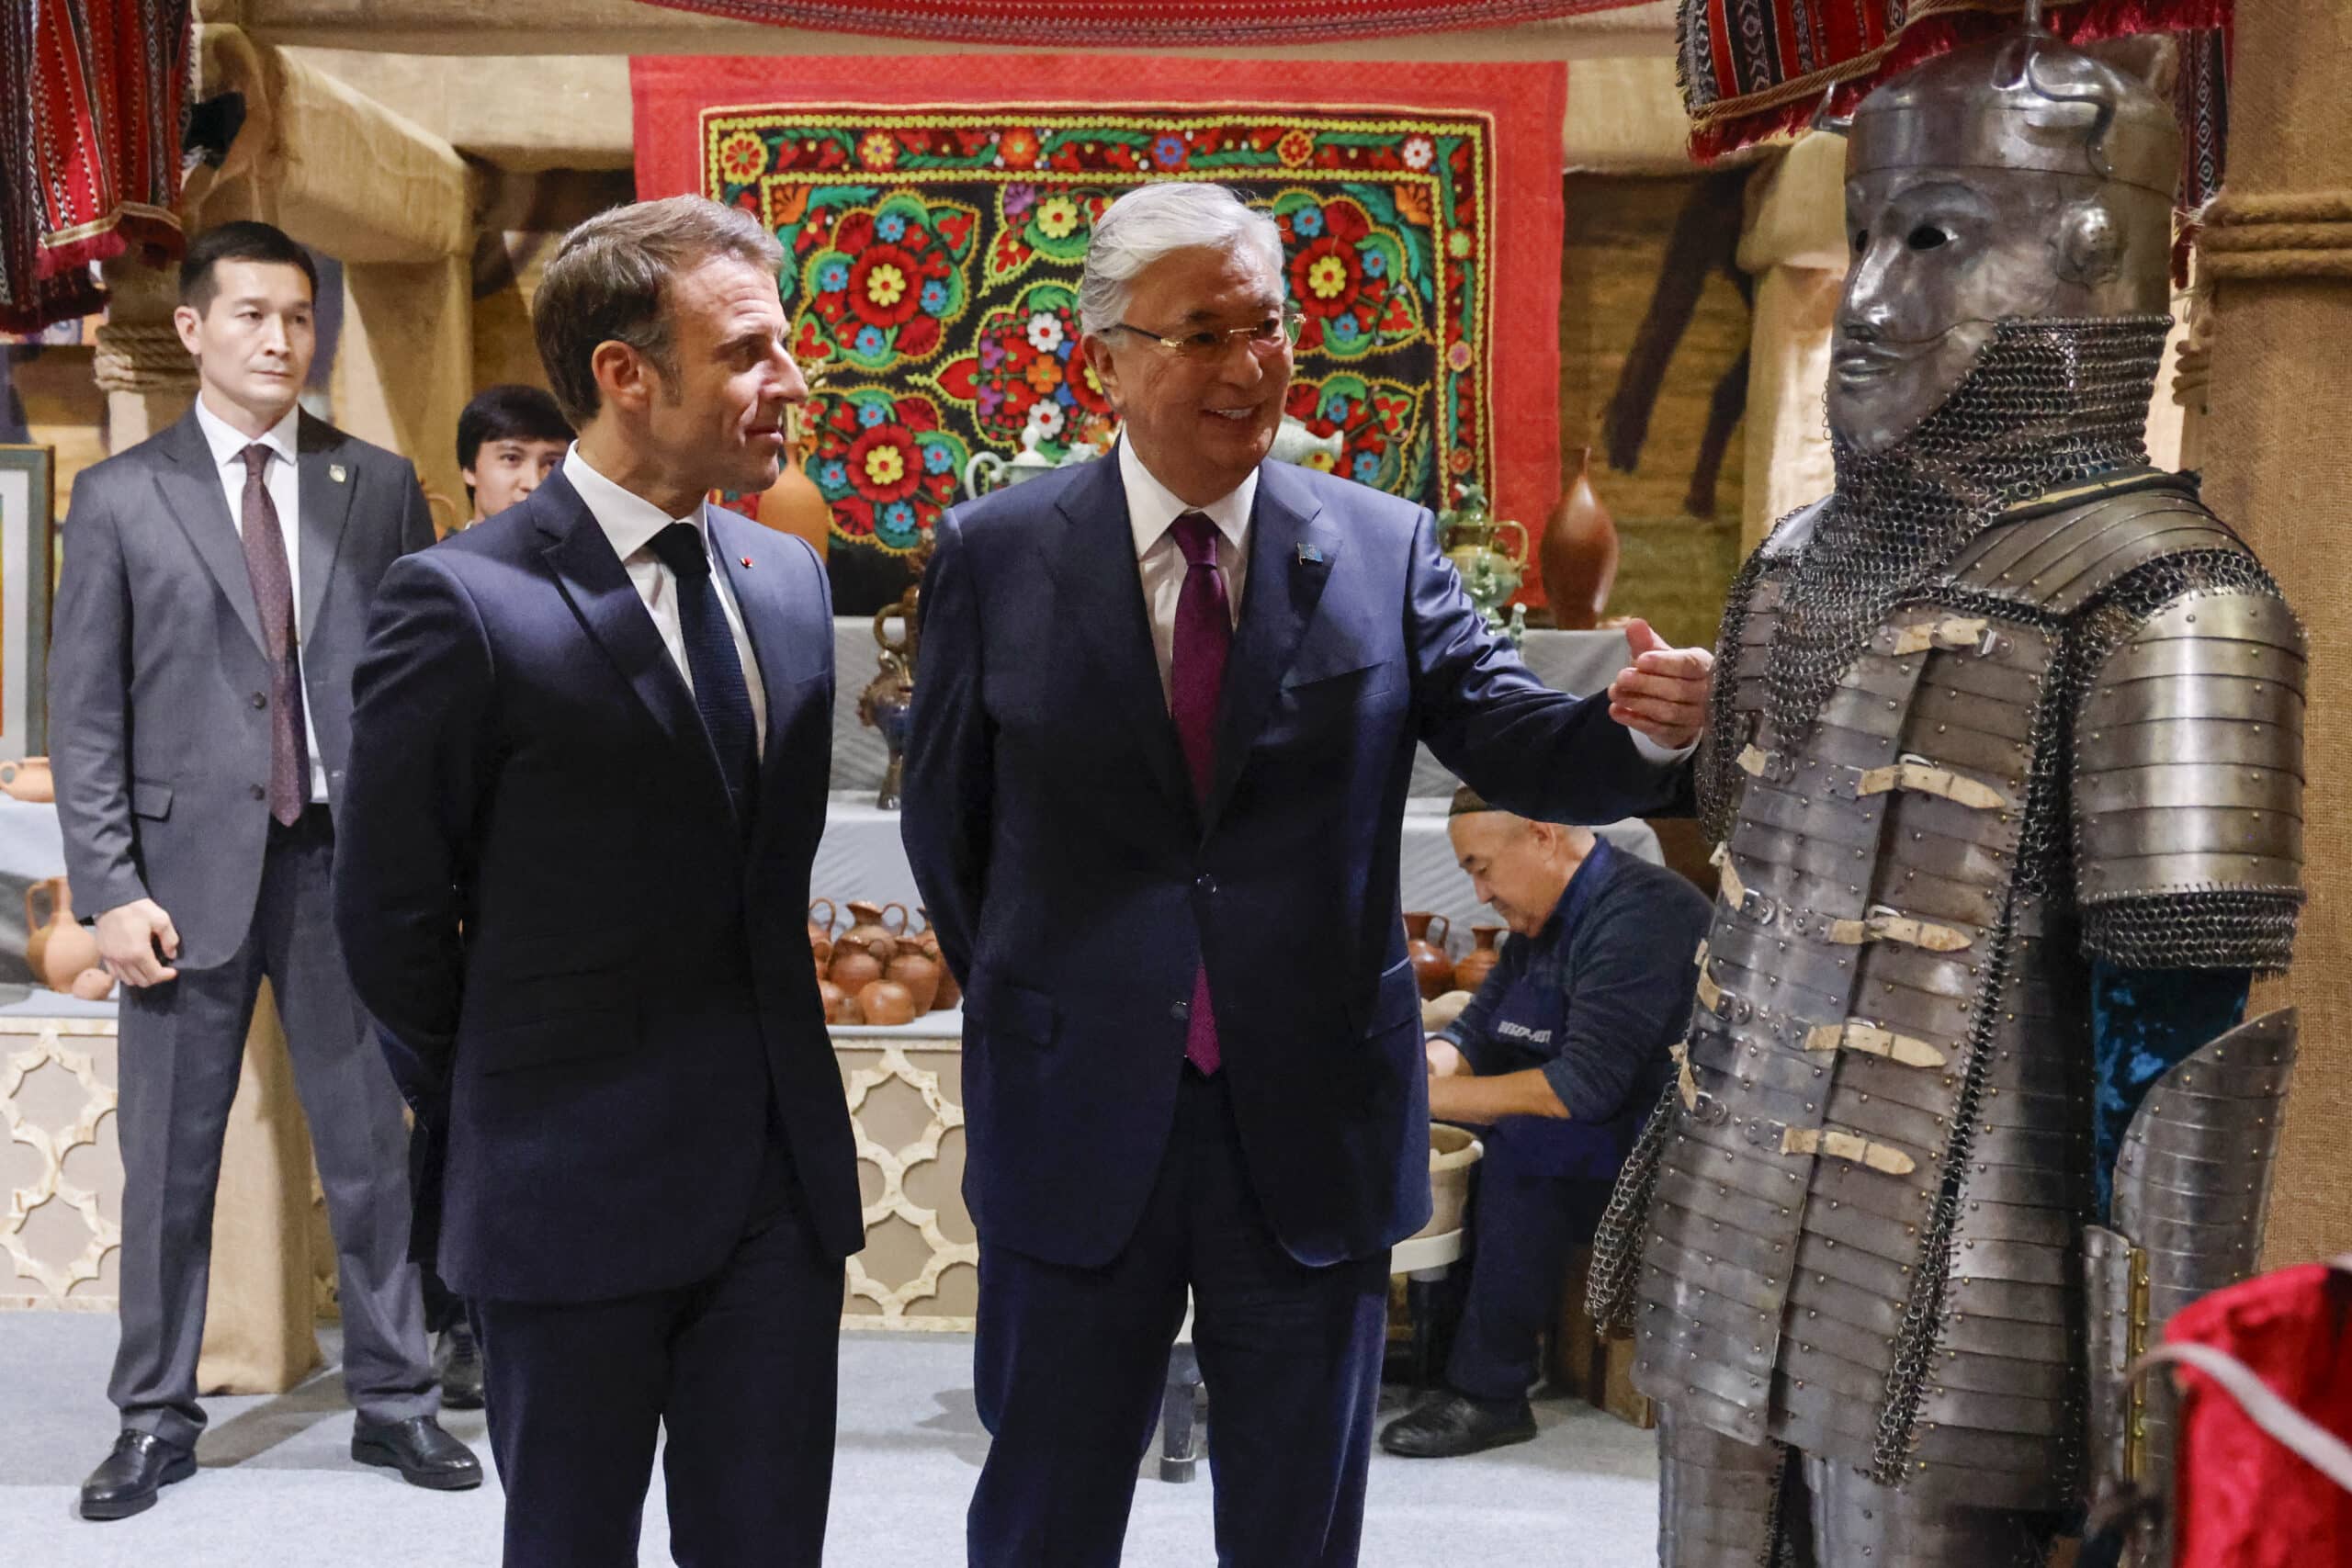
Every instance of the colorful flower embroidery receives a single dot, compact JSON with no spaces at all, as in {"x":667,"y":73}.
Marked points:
{"x":743,"y":157}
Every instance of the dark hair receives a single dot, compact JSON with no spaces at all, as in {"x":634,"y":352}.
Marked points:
{"x":609,"y":283}
{"x":509,"y":411}
{"x":241,"y":241}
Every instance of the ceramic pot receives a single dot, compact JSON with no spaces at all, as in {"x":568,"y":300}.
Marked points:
{"x":820,"y":932}
{"x":853,"y":968}
{"x":830,"y":995}
{"x":1480,"y":960}
{"x":868,"y":932}
{"x":1432,"y":970}
{"x":1453,"y":1152}
{"x":950,"y":995}
{"x":93,"y":984}
{"x":848,"y":1013}
{"x":886,"y":1003}
{"x":794,"y":504}
{"x":1580,"y":554}
{"x":918,"y":971}
{"x":28,"y":780}
{"x":61,"y":947}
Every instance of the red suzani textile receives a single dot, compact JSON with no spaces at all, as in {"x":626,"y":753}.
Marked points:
{"x":1756,"y":68}
{"x":935,"y":213}
{"x":2243,"y":1499}
{"x":89,"y":146}
{"x":1140,"y":24}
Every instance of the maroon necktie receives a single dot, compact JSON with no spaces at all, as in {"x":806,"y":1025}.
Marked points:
{"x":1195,"y":680}
{"x":273,"y":580}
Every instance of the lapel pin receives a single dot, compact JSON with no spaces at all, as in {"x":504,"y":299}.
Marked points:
{"x":1309,"y":554}
{"x":747,"y":561}
{"x":335,"y":472}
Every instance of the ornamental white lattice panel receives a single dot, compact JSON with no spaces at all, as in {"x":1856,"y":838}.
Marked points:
{"x":62,"y":1172}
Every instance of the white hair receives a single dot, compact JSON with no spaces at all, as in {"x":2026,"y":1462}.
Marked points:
{"x":1153,"y":221}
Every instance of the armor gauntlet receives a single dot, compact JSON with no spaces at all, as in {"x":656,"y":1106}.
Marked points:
{"x":2188,"y":787}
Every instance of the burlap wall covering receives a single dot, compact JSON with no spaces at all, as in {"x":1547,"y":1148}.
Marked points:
{"x":2279,"y":451}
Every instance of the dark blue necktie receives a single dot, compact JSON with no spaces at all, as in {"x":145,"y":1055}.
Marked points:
{"x":719,"y":691}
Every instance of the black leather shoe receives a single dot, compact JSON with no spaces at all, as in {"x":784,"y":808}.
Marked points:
{"x":1451,"y":1424}
{"x":141,"y":1465}
{"x":456,"y":1361}
{"x":424,"y":1454}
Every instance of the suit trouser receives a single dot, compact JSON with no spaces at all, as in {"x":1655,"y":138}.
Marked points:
{"x":740,"y":1368}
{"x":181,"y":1046}
{"x":1070,"y":1364}
{"x":1525,"y":1220}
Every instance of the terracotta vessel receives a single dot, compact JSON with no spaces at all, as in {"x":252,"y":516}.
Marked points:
{"x":949,"y":994}
{"x":918,"y":971}
{"x":830,"y":995}
{"x":885,"y":1002}
{"x":849,"y":1014}
{"x":794,"y":504}
{"x":60,"y":947}
{"x":28,"y":780}
{"x":853,"y":968}
{"x":1580,"y":553}
{"x":1431,"y":968}
{"x":1453,"y":1152}
{"x":1480,"y":960}
{"x":820,"y":932}
{"x":93,"y":984}
{"x":868,"y":932}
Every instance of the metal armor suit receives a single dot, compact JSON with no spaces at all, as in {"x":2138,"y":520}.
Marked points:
{"x":2008,"y":717}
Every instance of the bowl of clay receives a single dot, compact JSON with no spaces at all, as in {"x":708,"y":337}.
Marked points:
{"x":1453,"y":1151}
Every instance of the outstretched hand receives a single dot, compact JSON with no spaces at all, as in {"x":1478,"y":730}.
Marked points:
{"x":1663,"y":693}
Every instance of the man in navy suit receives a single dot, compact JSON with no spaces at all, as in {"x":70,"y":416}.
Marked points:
{"x":589,"y":763}
{"x":1154,"y":791}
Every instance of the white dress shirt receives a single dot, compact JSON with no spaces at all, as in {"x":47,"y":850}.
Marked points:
{"x":282,"y":478}
{"x":629,"y":522}
{"x":1152,"y":511}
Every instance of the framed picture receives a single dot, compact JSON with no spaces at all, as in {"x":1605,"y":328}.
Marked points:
{"x":27,"y":549}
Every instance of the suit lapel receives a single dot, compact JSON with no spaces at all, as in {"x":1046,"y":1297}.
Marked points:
{"x":601,"y":594}
{"x":190,"y":484}
{"x":325,"y":490}
{"x":1098,"y":592}
{"x":740,"y":547}
{"x":1291,"y":551}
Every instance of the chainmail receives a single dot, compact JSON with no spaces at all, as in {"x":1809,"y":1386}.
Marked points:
{"x":2051,"y":400}
{"x":1612,"y":1285}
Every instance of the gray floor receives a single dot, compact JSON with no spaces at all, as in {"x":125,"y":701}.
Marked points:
{"x":277,"y":1487}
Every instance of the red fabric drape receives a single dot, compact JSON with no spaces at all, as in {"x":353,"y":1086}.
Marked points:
{"x":1139,"y":24}
{"x":2246,"y":1501}
{"x":89,"y":155}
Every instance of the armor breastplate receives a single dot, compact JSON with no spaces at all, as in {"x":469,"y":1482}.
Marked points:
{"x":1865,"y":1233}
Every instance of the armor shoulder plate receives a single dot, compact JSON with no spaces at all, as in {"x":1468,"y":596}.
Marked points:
{"x":2188,"y":786}
{"x":2058,"y":553}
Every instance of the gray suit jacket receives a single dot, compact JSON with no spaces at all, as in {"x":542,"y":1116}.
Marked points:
{"x":159,"y":728}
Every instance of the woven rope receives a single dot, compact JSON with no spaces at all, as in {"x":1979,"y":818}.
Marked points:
{"x":2293,"y":234}
{"x":142,"y":359}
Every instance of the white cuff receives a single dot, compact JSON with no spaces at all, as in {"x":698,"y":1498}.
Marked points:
{"x":1653,"y":752}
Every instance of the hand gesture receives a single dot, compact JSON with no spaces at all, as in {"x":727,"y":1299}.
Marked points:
{"x":136,"y":942}
{"x":1663,"y":693}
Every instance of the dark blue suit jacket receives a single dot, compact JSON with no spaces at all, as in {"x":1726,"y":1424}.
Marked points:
{"x":544,"y":900}
{"x":1075,"y":884}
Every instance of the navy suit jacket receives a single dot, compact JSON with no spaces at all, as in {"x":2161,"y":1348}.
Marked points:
{"x":1075,"y":884}
{"x":545,"y":899}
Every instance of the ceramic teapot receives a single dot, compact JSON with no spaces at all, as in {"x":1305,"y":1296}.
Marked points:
{"x":60,"y":947}
{"x":1432,"y":970}
{"x":28,"y":779}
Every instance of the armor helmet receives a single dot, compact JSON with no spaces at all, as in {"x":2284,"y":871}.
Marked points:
{"x":2021,"y":177}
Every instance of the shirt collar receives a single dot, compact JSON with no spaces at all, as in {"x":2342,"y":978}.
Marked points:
{"x":629,"y":520}
{"x":227,"y":442}
{"x":1152,"y":506}
{"x":1587,"y":876}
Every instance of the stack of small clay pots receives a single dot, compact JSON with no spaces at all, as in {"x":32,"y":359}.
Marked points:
{"x":878,"y":971}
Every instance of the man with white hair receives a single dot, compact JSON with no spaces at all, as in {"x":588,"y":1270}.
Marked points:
{"x":1154,"y":793}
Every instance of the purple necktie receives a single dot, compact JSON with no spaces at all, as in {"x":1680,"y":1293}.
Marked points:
{"x":1196,"y":681}
{"x":273,"y":580}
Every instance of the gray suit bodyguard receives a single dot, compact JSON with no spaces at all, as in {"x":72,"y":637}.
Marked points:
{"x":200,"y":714}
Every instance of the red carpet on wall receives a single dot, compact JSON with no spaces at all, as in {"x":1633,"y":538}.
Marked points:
{"x":935,"y":212}
{"x":1140,"y":24}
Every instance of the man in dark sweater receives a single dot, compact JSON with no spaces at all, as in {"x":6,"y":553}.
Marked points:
{"x":1557,"y":1059}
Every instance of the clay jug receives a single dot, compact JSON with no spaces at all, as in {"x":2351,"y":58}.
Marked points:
{"x":93,"y":984}
{"x":1432,"y":970}
{"x":820,"y":932}
{"x":830,"y":995}
{"x":28,"y":780}
{"x":1579,"y":552}
{"x":1480,"y":960}
{"x":794,"y":504}
{"x":866,"y":930}
{"x":950,"y":995}
{"x":853,"y":968}
{"x":918,"y":971}
{"x":886,"y":1003}
{"x":59,"y":947}
{"x":848,"y":1014}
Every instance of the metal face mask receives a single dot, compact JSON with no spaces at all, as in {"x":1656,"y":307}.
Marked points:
{"x":2019,"y":178}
